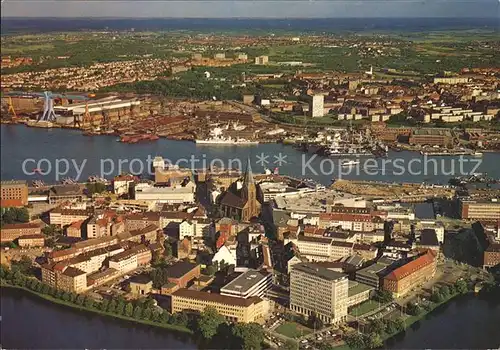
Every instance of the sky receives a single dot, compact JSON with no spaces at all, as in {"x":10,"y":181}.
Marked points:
{"x":250,"y":8}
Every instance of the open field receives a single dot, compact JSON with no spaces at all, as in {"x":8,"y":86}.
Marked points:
{"x":293,"y":330}
{"x":364,"y":308}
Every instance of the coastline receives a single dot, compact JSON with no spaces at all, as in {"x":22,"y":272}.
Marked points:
{"x":95,"y":311}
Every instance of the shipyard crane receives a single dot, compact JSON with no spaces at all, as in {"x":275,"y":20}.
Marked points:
{"x":48,"y":105}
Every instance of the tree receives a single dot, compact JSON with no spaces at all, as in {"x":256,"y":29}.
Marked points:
{"x":461,"y":287}
{"x":66,"y":296}
{"x":209,"y":322}
{"x":159,"y":277}
{"x":156,"y":316}
{"x":129,"y":310}
{"x":355,"y":341}
{"x":168,"y":249}
{"x":314,"y":321}
{"x":22,"y":215}
{"x":437,"y":297}
{"x":165,"y":317}
{"x":292,"y":345}
{"x":383,"y":296}
{"x":80,"y":299}
{"x":413,"y":309}
{"x":146,"y":314}
{"x":24,"y":265}
{"x":373,"y":341}
{"x":89,"y":302}
{"x":138,"y":312}
{"x":400,"y":324}
{"x":250,"y":335}
{"x":180,"y":319}
{"x":111,"y":307}
{"x":120,"y":307}
{"x":104,"y":305}
{"x":377,"y":326}
{"x":445,"y":292}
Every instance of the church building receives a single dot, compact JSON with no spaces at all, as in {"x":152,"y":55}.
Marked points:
{"x":242,"y":203}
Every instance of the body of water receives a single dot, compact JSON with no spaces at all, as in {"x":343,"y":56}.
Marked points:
{"x":467,"y":322}
{"x":24,"y":149}
{"x":29,"y":322}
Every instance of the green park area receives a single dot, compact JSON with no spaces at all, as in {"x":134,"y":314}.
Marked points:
{"x":293,"y":330}
{"x":364,"y":308}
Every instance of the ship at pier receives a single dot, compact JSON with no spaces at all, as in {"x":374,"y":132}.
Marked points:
{"x":218,"y":139}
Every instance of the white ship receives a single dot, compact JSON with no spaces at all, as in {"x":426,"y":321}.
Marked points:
{"x":226,"y":141}
{"x":218,"y":139}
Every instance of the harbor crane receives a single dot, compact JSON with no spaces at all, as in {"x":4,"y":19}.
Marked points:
{"x":48,"y":104}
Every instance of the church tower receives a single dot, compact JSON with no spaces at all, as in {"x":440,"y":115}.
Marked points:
{"x":249,"y":193}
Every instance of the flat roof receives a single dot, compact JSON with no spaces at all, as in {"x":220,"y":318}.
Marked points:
{"x":317,"y":270}
{"x":180,"y":268}
{"x":217,"y":298}
{"x":357,"y":287}
{"x":245,"y":281}
{"x":424,"y":211}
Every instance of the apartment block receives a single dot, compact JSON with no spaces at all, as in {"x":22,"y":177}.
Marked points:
{"x":11,"y":232}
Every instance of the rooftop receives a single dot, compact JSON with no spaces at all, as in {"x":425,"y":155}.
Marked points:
{"x":319,"y":271}
{"x":217,"y":298}
{"x":356,"y":288}
{"x":9,"y":183}
{"x":180,"y":268}
{"x":244,"y":282}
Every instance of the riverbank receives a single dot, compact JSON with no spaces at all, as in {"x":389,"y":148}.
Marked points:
{"x":96,"y":311}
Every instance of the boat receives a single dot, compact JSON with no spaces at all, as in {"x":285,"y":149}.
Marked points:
{"x":226,"y":141}
{"x":477,"y":154}
{"x":349,"y":163}
{"x":218,"y":139}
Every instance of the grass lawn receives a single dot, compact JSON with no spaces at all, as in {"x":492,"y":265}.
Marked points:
{"x":293,"y":330}
{"x":364,"y":308}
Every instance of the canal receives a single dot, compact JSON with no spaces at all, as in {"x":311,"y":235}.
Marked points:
{"x":75,"y":154}
{"x":467,"y":322}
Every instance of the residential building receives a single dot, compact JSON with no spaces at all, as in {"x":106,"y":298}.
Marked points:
{"x":63,"y":217}
{"x":122,"y":184}
{"x":315,"y":289}
{"x":261,"y":60}
{"x":65,"y":193}
{"x":13,"y":193}
{"x":249,"y":284}
{"x":253,"y":309}
{"x":316,"y":107}
{"x":411,"y":275}
{"x":130,"y":259}
{"x":226,"y":255}
{"x":63,"y":277}
{"x":75,"y":229}
{"x":323,"y":248}
{"x":492,"y":255}
{"x":11,"y":232}
{"x":479,"y":210}
{"x":28,"y":241}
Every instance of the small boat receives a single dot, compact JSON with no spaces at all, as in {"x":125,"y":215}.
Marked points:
{"x":349,"y":163}
{"x":477,"y":154}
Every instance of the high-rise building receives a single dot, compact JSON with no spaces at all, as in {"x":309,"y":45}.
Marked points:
{"x":316,"y":107}
{"x":318,"y":290}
